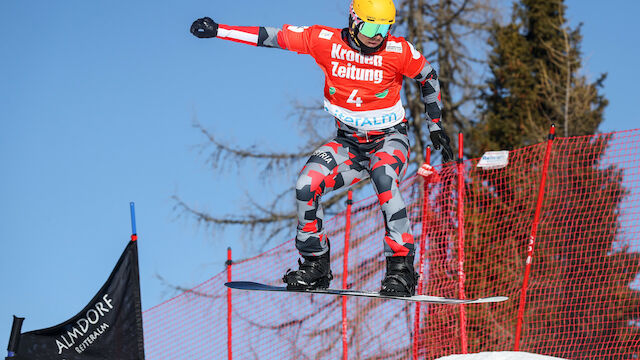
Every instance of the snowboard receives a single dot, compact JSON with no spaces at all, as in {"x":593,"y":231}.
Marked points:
{"x":248,"y":285}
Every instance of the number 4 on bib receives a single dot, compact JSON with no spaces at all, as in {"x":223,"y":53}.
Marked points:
{"x":353,"y":99}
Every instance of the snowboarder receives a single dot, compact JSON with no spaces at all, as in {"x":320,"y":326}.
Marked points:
{"x":364,"y":67}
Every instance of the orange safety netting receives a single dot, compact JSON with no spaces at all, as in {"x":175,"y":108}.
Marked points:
{"x":582,"y":295}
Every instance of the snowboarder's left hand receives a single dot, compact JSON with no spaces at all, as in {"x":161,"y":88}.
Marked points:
{"x":440,"y":139}
{"x":204,"y":28}
{"x":429,"y":173}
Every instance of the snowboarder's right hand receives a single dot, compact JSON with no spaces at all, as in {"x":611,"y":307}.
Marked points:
{"x":204,"y":28}
{"x":440,"y":139}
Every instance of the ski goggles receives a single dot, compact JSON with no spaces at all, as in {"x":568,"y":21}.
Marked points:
{"x":370,"y":29}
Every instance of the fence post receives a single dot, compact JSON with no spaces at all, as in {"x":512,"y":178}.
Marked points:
{"x":461,"y":276}
{"x":423,"y":240}
{"x":532,"y":237}
{"x":229,"y":304}
{"x":345,"y":274}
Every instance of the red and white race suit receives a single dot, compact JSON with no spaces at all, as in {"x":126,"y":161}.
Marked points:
{"x":363,"y":93}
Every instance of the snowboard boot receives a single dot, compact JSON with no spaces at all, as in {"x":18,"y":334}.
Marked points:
{"x":314,"y":273}
{"x":401,"y":278}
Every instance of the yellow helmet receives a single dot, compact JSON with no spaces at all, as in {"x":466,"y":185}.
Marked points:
{"x":375,"y":11}
{"x":370,"y":18}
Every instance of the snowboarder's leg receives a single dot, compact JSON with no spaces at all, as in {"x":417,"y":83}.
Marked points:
{"x":329,"y":168}
{"x":388,"y":165}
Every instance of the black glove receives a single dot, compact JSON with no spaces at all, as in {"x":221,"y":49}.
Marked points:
{"x":439,"y":138}
{"x":204,"y":28}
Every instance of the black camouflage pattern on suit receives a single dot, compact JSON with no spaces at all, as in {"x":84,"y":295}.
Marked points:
{"x":352,"y":156}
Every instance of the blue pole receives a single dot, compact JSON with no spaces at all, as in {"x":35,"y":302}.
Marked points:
{"x":134,"y":235}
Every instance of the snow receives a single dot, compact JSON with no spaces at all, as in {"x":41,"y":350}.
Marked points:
{"x":502,"y":355}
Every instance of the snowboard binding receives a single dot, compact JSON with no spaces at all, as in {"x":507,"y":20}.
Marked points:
{"x":401,"y":278}
{"x":313,"y":273}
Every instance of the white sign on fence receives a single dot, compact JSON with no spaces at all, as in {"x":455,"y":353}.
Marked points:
{"x":492,"y":160}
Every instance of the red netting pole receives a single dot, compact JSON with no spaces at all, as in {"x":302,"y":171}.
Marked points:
{"x":532,"y":237}
{"x":423,"y":240}
{"x":229,"y":333}
{"x":345,"y":274}
{"x":461,"y":277}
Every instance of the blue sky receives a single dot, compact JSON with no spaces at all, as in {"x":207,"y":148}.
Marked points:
{"x":97,"y":101}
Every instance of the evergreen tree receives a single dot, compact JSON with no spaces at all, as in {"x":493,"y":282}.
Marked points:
{"x":535,"y":63}
{"x":580,"y":295}
{"x":451,"y":34}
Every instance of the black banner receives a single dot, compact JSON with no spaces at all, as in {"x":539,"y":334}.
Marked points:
{"x":109,"y":327}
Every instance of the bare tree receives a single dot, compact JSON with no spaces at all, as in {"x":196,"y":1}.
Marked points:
{"x":453,"y":35}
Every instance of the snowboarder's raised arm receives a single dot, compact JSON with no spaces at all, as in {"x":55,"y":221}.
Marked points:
{"x":252,"y":35}
{"x":430,"y":90}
